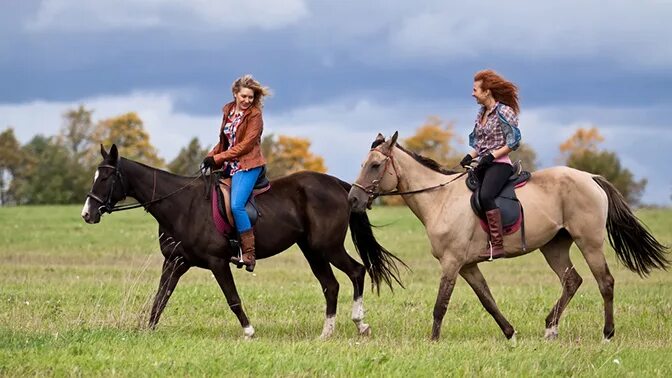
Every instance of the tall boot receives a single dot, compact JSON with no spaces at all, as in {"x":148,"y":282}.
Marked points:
{"x":247,"y":245}
{"x":496,"y":249}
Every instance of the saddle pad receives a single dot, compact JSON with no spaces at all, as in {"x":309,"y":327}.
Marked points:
{"x":222,"y":226}
{"x":223,"y":194}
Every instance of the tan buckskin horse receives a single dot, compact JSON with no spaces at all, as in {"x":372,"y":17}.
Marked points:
{"x":562,"y":206}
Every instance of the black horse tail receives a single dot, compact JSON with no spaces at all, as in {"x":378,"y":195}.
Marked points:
{"x":380,"y":263}
{"x":635,"y":247}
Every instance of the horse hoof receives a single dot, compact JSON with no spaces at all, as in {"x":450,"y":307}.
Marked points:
{"x":248,"y":333}
{"x":513,"y":341}
{"x":551,"y":333}
{"x":365,"y":330}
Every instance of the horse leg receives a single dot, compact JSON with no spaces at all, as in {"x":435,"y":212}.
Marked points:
{"x":173,"y":269}
{"x":446,"y":285}
{"x":475,"y":279}
{"x":322,"y":271}
{"x":592,"y":250}
{"x":357,"y":274}
{"x":556,"y":253}
{"x":222,"y":273}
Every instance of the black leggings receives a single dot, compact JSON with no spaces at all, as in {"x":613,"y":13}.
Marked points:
{"x":492,"y":181}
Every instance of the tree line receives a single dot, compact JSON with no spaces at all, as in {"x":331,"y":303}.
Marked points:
{"x":58,"y":169}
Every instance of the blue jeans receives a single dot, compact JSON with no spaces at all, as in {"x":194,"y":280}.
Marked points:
{"x":242,"y":184}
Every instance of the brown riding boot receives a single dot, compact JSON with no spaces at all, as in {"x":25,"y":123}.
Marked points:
{"x":496,"y":249}
{"x":247,"y":245}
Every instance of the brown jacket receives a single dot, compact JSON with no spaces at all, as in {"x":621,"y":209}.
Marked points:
{"x":248,"y":140}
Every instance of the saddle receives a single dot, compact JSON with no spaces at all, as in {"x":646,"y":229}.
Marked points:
{"x":506,"y":201}
{"x":221,"y":201}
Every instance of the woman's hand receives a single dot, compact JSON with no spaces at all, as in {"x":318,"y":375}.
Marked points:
{"x":486,"y":161}
{"x":466,"y":160}
{"x":209,"y":162}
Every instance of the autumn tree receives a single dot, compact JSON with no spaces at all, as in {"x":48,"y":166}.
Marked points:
{"x":10,"y":159}
{"x":189,"y":158}
{"x":583,"y":140}
{"x":581,"y":151}
{"x":128,"y":133}
{"x":286,"y":154}
{"x":434,"y":140}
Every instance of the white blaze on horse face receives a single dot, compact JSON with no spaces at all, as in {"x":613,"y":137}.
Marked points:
{"x":85,"y":209}
{"x":87,"y":204}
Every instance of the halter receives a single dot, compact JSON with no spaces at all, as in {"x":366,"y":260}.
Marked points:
{"x":107,"y":205}
{"x":373,"y":189}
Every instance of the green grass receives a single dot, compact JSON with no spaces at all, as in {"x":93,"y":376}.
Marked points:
{"x":74,"y":300}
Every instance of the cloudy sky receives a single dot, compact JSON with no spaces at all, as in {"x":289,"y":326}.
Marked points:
{"x":342,"y":71}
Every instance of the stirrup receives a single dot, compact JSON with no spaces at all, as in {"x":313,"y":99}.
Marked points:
{"x":491,"y":257}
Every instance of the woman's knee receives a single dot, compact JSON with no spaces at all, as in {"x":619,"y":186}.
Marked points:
{"x":487,"y":195}
{"x":237,"y":205}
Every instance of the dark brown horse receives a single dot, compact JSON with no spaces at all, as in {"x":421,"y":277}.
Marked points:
{"x":307,"y":208}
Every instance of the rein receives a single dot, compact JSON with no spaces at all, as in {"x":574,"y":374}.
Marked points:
{"x":108,"y":207}
{"x":372,"y":189}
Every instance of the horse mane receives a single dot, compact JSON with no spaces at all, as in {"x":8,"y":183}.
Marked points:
{"x":175,"y":175}
{"x":423,"y":160}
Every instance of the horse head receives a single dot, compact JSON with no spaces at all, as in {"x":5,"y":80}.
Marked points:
{"x":108,"y":187}
{"x":378,"y":174}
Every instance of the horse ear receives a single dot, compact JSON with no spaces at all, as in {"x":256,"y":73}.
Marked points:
{"x":380,"y":139}
{"x":393,"y":140}
{"x":114,"y":154}
{"x":103,"y":152}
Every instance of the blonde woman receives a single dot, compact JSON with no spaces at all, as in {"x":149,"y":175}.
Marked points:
{"x":239,"y":151}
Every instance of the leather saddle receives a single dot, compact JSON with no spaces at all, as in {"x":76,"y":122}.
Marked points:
{"x":506,"y":200}
{"x":223,"y":197}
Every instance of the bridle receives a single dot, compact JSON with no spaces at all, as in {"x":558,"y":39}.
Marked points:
{"x":108,"y":207}
{"x":373,"y":189}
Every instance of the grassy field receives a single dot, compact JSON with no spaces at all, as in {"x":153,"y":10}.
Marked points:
{"x":74,"y":300}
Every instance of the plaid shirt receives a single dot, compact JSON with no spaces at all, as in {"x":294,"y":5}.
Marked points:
{"x":500,"y":129}
{"x":232,"y":122}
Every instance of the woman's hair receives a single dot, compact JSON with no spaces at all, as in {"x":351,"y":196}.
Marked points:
{"x":247,"y":81}
{"x":502,"y":90}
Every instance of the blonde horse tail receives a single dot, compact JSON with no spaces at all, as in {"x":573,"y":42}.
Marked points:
{"x":635,"y":247}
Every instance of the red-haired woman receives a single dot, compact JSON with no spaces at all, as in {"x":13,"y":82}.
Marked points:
{"x":494,"y":136}
{"x":239,"y":150}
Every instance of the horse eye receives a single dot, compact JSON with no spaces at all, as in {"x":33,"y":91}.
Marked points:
{"x":375,"y":165}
